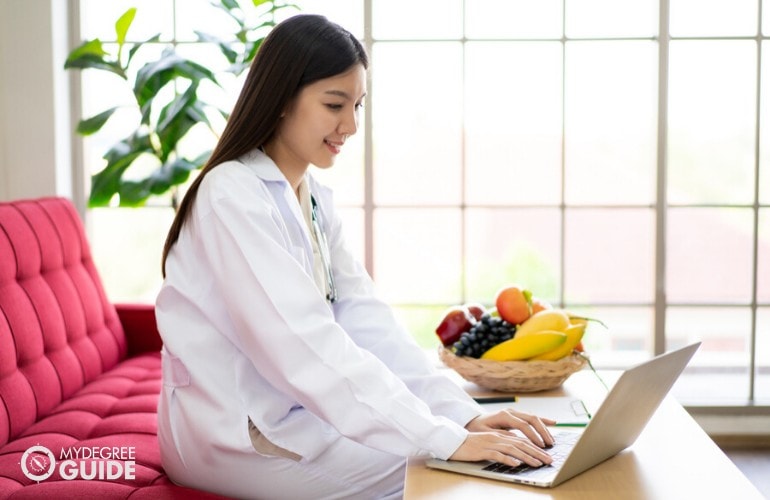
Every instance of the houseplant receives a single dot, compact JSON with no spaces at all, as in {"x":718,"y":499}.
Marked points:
{"x":164,"y":117}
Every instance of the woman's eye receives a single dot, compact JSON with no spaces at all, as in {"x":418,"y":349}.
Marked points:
{"x":334,"y":107}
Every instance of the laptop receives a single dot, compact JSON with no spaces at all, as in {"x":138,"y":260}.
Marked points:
{"x":615,"y":426}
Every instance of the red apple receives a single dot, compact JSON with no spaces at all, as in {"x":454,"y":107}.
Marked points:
{"x":477,"y":310}
{"x":457,"y":320}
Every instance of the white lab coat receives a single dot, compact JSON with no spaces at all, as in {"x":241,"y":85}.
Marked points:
{"x":247,"y":334}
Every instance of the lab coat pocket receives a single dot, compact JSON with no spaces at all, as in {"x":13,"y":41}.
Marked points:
{"x":175,"y":373}
{"x":175,"y":376}
{"x":264,"y":447}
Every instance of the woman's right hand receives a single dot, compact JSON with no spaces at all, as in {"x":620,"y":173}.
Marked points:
{"x":500,"y":446}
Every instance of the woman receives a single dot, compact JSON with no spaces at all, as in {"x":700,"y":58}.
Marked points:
{"x":283,"y":375}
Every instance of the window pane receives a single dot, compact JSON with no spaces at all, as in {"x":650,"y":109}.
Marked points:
{"x":611,"y":129}
{"x":346,"y":178}
{"x":513,"y":123}
{"x":347,"y":13}
{"x":417,"y":255}
{"x":713,"y":17}
{"x":763,"y":268}
{"x":764,"y":129}
{"x":765,"y":19}
{"x":719,"y":370}
{"x":609,"y":256}
{"x":426,"y":19}
{"x":624,"y":340}
{"x":421,"y":322}
{"x":127,"y":245}
{"x":353,"y":226}
{"x":711,"y":121}
{"x":200,"y":15}
{"x":763,"y":355}
{"x":512,"y":246}
{"x":513,"y":19}
{"x":417,"y":106}
{"x":610,"y":18}
{"x":97,"y":19}
{"x":709,"y":255}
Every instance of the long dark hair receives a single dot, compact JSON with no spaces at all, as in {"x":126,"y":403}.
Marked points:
{"x":297,"y":52}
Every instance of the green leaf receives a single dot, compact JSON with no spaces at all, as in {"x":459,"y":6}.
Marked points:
{"x":106,"y":183}
{"x":91,"y":55}
{"x":90,"y":125}
{"x":91,"y":48}
{"x":133,"y":193}
{"x":175,"y":120}
{"x":155,"y":75}
{"x":172,"y":173}
{"x":122,"y":25}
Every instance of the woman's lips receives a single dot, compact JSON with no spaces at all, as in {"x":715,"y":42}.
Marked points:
{"x":334,"y":147}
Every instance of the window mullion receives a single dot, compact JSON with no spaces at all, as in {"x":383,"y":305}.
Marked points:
{"x":368,"y":148}
{"x":661,"y":206}
{"x":755,"y":229}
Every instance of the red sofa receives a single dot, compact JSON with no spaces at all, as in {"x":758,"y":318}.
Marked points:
{"x":79,"y":376}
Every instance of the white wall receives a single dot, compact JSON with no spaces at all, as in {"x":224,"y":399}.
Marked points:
{"x":35,"y":155}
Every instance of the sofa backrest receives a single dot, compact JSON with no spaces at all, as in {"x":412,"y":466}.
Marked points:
{"x":58,"y":331}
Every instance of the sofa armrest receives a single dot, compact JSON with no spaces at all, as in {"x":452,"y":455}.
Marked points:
{"x":139,"y":325}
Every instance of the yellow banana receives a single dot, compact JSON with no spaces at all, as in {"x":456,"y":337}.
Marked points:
{"x":574,"y":334}
{"x":525,"y":347}
{"x":555,"y":320}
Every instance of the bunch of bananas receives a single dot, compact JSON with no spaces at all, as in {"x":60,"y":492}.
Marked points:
{"x":547,"y":335}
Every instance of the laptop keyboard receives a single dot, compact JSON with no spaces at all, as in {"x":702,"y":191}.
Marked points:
{"x":565,"y":441}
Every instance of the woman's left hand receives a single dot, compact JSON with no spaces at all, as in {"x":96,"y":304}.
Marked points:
{"x":533,"y":427}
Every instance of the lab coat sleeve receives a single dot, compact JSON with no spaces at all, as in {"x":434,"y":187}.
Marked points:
{"x":286,"y":329}
{"x":372,"y":325}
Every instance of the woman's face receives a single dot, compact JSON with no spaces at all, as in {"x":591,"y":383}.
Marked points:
{"x":318,"y":121}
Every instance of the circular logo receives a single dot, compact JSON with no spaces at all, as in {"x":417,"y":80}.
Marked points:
{"x":38,"y":463}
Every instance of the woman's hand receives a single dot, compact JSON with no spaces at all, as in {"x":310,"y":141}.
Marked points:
{"x":491,"y":438}
{"x":531,"y":426}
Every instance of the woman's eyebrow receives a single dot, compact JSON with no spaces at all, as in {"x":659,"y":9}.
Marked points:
{"x":341,"y":93}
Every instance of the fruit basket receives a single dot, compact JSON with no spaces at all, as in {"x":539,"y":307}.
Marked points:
{"x":514,"y":376}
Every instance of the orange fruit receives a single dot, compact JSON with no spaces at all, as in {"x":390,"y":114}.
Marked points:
{"x":514,"y":304}
{"x":540,"y":305}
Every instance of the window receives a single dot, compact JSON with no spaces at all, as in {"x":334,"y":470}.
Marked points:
{"x":615,"y":168}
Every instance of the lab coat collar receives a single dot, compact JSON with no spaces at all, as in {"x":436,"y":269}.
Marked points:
{"x":268,"y":171}
{"x":286,"y":200}
{"x":263,"y":166}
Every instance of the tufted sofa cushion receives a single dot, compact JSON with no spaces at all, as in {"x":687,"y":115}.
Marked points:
{"x":57,"y":330}
{"x":66,"y":382}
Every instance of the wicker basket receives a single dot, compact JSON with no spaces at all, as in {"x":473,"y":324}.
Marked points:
{"x":513,"y":376}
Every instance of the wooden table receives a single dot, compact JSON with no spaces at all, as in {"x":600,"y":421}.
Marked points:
{"x":672,"y":459}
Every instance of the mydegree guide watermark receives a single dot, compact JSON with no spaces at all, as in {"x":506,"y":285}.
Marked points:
{"x":38,"y":463}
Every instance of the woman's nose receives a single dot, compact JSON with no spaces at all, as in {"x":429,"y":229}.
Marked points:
{"x":349,"y":124}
